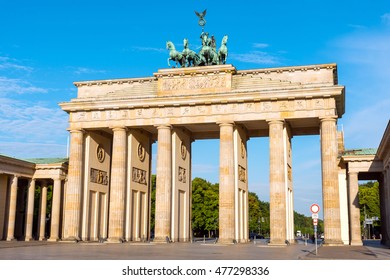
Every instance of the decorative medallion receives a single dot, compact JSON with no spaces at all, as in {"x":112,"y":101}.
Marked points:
{"x":141,"y":152}
{"x":100,"y":153}
{"x":183,"y":151}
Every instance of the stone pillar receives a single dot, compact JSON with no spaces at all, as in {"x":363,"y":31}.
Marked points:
{"x":278,"y":205}
{"x":163,"y":184}
{"x":354,"y":209}
{"x":12,"y":208}
{"x":55,"y":211}
{"x":72,"y":210}
{"x":116,"y":227}
{"x":226,"y":184}
{"x":42,"y":211}
{"x":30,"y":210}
{"x":330,"y":187}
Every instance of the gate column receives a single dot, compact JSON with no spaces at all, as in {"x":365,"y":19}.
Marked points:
{"x":278,"y":221}
{"x":55,"y":212}
{"x":116,"y":228}
{"x":163,"y":184}
{"x":12,"y":208}
{"x":73,"y":190}
{"x":226,"y":184}
{"x":354,"y":209}
{"x":30,"y":210}
{"x":330,"y":187}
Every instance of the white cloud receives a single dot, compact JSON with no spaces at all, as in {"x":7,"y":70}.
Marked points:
{"x":257,"y":57}
{"x":151,"y":49}
{"x":386,"y":18}
{"x":260,"y":45}
{"x":31,"y":130}
{"x":18,"y":86}
{"x":7,"y":63}
{"x":365,"y":59}
{"x":84,"y":70}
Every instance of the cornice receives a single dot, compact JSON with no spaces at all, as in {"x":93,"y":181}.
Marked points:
{"x":109,"y":103}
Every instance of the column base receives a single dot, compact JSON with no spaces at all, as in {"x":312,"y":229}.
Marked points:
{"x":29,"y":239}
{"x":70,"y":240}
{"x":162,"y":239}
{"x":356,"y":243}
{"x":227,"y":241}
{"x":115,"y":240}
{"x":277,"y":242}
{"x":11,"y":239}
{"x":53,"y":239}
{"x":332,"y":243}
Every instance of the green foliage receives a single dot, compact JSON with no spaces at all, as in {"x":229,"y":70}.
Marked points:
{"x":305,"y":224}
{"x":205,"y":211}
{"x":258,"y":215}
{"x":205,"y":206}
{"x":153,"y":203}
{"x":369,"y":200}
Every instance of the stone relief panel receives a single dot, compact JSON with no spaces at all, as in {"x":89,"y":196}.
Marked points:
{"x":241,"y":173}
{"x":139,"y":176}
{"x":182,"y":175}
{"x":300,"y":104}
{"x":243,"y":150}
{"x":193,"y":83}
{"x":98,"y":177}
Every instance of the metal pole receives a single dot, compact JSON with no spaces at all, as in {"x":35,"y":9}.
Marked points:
{"x":315,"y":237}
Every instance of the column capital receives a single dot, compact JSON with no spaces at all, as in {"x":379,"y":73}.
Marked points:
{"x":118,"y":128}
{"x":329,"y":118}
{"x":276,"y":121}
{"x":163,"y":126}
{"x":352,"y":172}
{"x":225,"y":123}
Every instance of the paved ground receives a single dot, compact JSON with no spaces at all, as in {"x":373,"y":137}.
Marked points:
{"x":36,"y":250}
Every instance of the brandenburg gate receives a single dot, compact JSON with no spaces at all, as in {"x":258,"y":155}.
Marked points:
{"x":113,"y":124}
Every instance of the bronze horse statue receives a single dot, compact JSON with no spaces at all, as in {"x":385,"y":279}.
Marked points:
{"x":223,"y":51}
{"x":174,"y":55}
{"x":191,"y":57}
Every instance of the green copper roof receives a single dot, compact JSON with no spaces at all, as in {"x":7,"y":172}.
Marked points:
{"x":46,"y":160}
{"x":360,"y":152}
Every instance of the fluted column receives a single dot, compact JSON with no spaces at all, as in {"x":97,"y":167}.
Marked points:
{"x":330,"y":187}
{"x":226,"y":183}
{"x":12,"y":208}
{"x":354,"y":209}
{"x":116,"y":227}
{"x":74,"y":187}
{"x":55,"y":211}
{"x":278,"y":230}
{"x":163,"y":184}
{"x":42,"y":211}
{"x":30,"y":210}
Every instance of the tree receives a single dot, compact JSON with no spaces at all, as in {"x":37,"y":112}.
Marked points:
{"x":369,"y":200}
{"x":153,"y":203}
{"x":370,"y":204}
{"x":205,"y":206}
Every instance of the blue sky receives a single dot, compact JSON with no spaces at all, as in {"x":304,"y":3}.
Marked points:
{"x":47,"y":45}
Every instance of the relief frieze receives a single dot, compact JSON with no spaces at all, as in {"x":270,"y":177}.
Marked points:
{"x":182,"y":176}
{"x":241,"y":174}
{"x":98,"y":176}
{"x":193,"y":83}
{"x":139,"y":176}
